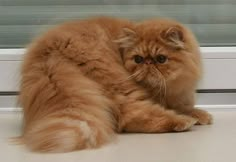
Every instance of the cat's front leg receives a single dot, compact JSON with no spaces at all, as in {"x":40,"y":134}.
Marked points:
{"x":184,"y":104}
{"x":202,"y":116}
{"x":146,"y":117}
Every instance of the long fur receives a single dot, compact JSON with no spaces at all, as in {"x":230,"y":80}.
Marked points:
{"x":80,"y":84}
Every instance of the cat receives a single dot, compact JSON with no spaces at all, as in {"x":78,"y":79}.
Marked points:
{"x":84,"y":81}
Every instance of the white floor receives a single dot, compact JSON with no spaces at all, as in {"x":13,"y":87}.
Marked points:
{"x":215,"y":143}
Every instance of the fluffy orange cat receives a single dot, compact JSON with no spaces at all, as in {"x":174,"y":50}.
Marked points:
{"x":84,"y":81}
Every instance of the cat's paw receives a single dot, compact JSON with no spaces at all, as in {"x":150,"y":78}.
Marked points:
{"x":183,"y":123}
{"x":202,"y":116}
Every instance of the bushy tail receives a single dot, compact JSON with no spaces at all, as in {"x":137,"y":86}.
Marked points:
{"x":63,"y":110}
{"x":64,"y":134}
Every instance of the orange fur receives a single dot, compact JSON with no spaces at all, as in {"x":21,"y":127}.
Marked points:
{"x":80,"y":84}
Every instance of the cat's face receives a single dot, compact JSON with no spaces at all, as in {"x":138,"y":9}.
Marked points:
{"x":160,"y":53}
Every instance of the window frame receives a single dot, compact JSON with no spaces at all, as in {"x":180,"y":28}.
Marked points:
{"x":222,"y":97}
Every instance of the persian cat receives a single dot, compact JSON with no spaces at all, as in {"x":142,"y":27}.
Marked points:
{"x":84,"y":81}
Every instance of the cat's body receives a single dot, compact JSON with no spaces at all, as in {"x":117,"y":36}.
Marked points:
{"x":84,"y":81}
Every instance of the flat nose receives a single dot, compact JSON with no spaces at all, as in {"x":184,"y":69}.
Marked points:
{"x":148,"y":61}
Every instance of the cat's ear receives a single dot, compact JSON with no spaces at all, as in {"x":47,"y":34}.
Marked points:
{"x":174,"y":37}
{"x":127,"y":38}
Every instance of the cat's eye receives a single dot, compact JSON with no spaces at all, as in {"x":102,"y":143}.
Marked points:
{"x":161,"y":59}
{"x":138,"y":59}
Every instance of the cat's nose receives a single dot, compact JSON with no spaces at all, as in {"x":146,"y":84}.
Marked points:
{"x":148,"y":61}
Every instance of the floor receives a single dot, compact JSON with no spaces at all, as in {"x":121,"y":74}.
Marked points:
{"x":214,"y":143}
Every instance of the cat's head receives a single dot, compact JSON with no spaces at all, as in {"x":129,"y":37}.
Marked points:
{"x":158,"y":52}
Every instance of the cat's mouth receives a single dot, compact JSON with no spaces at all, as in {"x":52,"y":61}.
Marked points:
{"x":154,"y":71}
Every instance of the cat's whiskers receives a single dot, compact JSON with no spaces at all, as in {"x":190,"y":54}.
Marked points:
{"x":132,"y":76}
{"x":160,"y":89}
{"x":163,"y":90}
{"x":161,"y":93}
